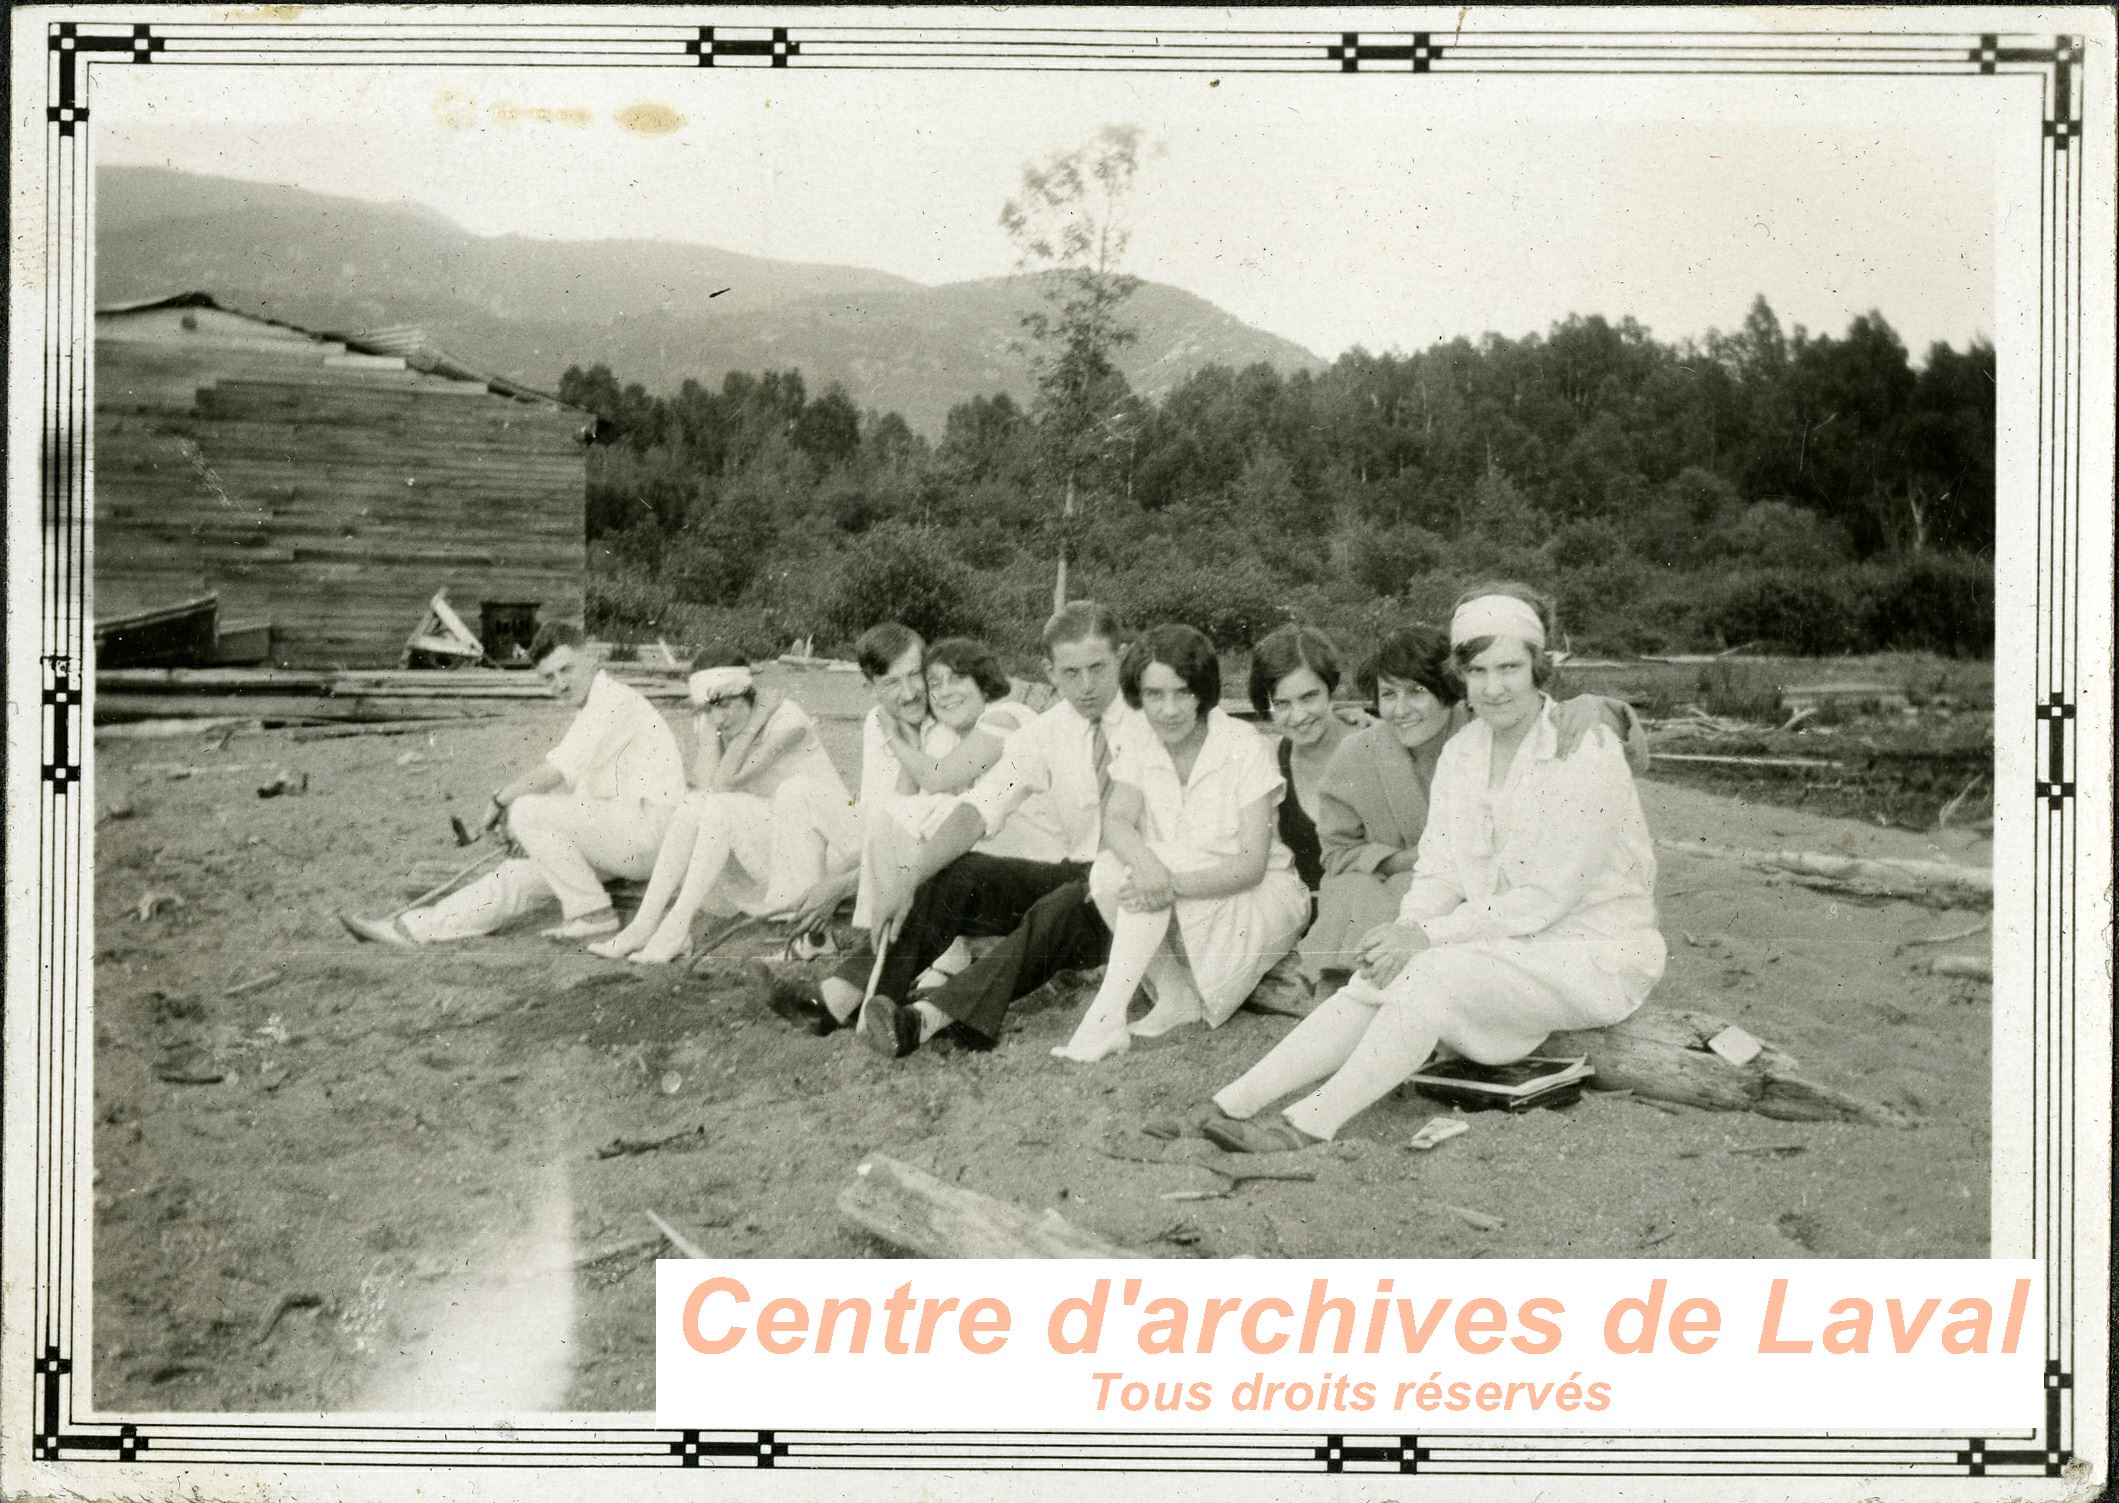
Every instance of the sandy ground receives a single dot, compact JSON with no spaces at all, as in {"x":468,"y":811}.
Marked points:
{"x":373,"y":1181}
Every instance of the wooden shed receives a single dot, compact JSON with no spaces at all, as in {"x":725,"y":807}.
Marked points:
{"x":327,"y":484}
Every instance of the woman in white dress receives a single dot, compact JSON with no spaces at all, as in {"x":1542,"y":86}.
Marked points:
{"x":1531,"y":908}
{"x":1199,"y":891}
{"x":748,"y":838}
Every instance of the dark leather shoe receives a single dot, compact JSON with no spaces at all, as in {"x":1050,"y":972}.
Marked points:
{"x":801,"y":1005}
{"x":1280,"y":1136}
{"x":892,"y":1031}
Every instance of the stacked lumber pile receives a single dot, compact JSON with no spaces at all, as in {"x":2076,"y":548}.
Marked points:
{"x":304,"y":696}
{"x":310,"y":696}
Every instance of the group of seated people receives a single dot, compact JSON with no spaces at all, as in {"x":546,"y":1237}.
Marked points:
{"x":1461,"y":863}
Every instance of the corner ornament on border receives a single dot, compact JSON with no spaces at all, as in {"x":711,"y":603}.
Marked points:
{"x":2063,"y":125}
{"x":68,"y":47}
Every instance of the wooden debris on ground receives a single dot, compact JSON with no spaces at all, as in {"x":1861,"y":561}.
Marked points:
{"x":1477,"y":1220}
{"x":1971,"y":967}
{"x":1945,"y":881}
{"x":1663,"y":756}
{"x":911,"y":1209}
{"x":370,"y":728}
{"x":1869,"y":696}
{"x":170,"y":729}
{"x":632,"y":1247}
{"x":1662,"y":1054}
{"x":683,"y":1139}
{"x":675,"y":1238}
{"x":299,"y":1300}
{"x":442,"y":634}
{"x":1240,"y":1171}
{"x":1952,"y":937}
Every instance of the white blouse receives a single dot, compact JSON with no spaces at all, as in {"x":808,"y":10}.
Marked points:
{"x":1203,"y":816}
{"x":1559,"y":848}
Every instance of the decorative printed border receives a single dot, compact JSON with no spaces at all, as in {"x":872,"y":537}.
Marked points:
{"x":62,"y":1029}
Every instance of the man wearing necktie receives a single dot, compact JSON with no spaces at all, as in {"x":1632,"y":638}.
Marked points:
{"x":1042,"y":908}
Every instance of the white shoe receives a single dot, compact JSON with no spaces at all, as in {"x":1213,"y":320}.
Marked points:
{"x":391,"y":931}
{"x":589,"y":926}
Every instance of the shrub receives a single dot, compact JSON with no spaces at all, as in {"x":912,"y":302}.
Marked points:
{"x":1812,"y":614}
{"x":903,"y":574}
{"x":756,"y":632}
{"x":1383,"y":560}
{"x":1934,"y":602}
{"x":625,"y":602}
{"x":1684,"y":522}
{"x":1590,"y":543}
{"x":1734,"y":689}
{"x":1598,"y":600}
{"x":1666,"y":616}
{"x":1779,"y":535}
{"x":1233,"y":603}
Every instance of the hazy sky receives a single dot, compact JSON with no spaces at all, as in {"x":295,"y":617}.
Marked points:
{"x":1382,"y":211}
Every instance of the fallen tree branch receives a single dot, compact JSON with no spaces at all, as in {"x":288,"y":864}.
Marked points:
{"x":1937,"y":878}
{"x":911,"y":1209}
{"x":1662,"y":1054}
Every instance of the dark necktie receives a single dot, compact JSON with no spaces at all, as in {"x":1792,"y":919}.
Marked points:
{"x":1100,"y":761}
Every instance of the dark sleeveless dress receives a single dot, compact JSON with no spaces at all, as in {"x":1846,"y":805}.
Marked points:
{"x":1298,"y":832}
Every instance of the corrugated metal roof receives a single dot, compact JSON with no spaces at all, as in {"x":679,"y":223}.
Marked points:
{"x":407,"y":342}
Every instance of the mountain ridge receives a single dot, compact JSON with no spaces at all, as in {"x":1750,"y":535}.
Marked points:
{"x":656,"y":312}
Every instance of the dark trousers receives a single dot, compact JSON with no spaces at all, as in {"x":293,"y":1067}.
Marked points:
{"x":1042,"y":908}
{"x":1061,"y":931}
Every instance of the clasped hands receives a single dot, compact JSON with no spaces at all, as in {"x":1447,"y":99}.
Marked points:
{"x":1387,"y":949}
{"x":1148,"y":886}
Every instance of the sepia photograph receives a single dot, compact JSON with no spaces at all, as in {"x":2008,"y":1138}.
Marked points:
{"x":755,"y":659}
{"x":764,"y":430}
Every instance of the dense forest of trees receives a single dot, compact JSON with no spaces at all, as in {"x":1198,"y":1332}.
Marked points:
{"x":1802,"y":491}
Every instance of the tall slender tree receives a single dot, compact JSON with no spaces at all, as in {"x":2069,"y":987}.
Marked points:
{"x":1068,"y":226}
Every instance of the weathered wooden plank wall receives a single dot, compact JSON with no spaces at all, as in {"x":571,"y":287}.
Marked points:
{"x":330,"y":496}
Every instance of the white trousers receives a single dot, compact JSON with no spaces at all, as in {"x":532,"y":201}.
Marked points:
{"x":570,"y":844}
{"x":1492,"y":1001}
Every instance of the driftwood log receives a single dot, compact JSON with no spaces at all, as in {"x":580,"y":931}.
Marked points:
{"x":1662,"y":1054}
{"x":911,"y":1209}
{"x":1942,"y":881}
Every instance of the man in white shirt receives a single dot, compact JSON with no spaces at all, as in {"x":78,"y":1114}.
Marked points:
{"x":595,"y":807}
{"x":1041,"y":907}
{"x":893,"y":660}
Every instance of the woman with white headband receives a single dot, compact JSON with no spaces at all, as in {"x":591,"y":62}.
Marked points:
{"x":768,"y":816}
{"x":1531,"y":907}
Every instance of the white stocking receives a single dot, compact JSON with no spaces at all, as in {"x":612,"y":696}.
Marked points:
{"x":1313,"y":1049}
{"x":1136,"y":938}
{"x":671,"y":861}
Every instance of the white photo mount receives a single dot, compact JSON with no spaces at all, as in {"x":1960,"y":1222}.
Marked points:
{"x":2053,"y":73}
